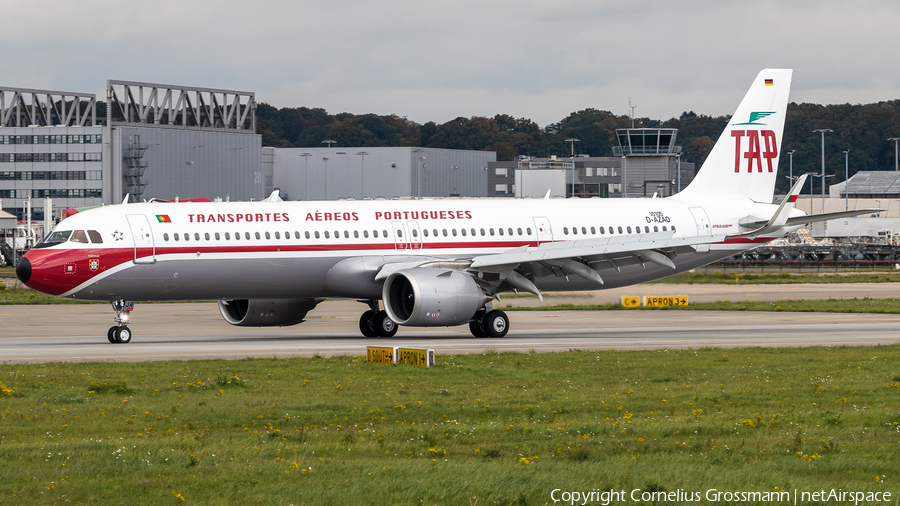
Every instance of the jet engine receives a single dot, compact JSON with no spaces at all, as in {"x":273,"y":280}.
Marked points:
{"x":265,"y":312}
{"x":424,"y":297}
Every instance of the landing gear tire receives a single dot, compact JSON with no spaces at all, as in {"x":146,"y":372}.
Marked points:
{"x":111,"y":334}
{"x":383,"y":325}
{"x":496,"y":323}
{"x":365,"y":324}
{"x":476,"y":325}
{"x":122,"y":335}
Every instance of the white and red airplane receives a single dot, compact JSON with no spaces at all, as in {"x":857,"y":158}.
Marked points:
{"x":427,"y":262}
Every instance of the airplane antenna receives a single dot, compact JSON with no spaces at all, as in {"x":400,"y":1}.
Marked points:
{"x":126,"y":198}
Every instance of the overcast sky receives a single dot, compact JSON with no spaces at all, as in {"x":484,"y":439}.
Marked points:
{"x":434,"y":61}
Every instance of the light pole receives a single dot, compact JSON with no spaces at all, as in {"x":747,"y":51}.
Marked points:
{"x":823,"y":131}
{"x":419,"y":172}
{"x":823,"y":193}
{"x":791,"y":173}
{"x":624,"y":177}
{"x":326,"y":178}
{"x":363,"y":175}
{"x":572,"y":142}
{"x":678,"y":174}
{"x":846,"y":179}
{"x":306,"y":174}
{"x":896,"y":165}
{"x":329,"y":142}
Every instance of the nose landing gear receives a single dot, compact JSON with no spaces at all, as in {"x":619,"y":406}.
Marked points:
{"x":120,"y":334}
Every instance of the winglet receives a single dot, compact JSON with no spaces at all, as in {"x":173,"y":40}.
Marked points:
{"x":783,"y":212}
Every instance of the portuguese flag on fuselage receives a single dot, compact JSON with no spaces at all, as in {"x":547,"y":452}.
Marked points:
{"x":163,"y":218}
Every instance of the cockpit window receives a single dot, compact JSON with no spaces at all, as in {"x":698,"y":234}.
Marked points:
{"x":95,"y":237}
{"x":58,"y":237}
{"x":79,"y":236}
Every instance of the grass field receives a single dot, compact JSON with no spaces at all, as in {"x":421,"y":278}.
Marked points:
{"x":779,"y":278}
{"x":484,"y":428}
{"x":887,"y":306}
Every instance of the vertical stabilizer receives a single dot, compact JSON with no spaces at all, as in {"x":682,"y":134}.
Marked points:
{"x":744,"y":161}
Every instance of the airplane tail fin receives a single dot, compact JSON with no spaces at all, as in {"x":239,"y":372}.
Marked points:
{"x":744,"y":161}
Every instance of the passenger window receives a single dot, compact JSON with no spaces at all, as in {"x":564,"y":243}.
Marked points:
{"x":356,"y":234}
{"x":415,"y":233}
{"x":453,"y":231}
{"x":297,"y":234}
{"x":519,"y":230}
{"x":278,"y":235}
{"x":166,"y":237}
{"x":528,"y":230}
{"x":602,"y":231}
{"x":218,"y":236}
{"x":176,"y":237}
{"x":79,"y":236}
{"x":473,"y":233}
{"x":435,"y":232}
{"x":566,"y":230}
{"x":268,"y":235}
{"x":227,"y":236}
{"x":247,"y":236}
{"x":196,"y":236}
{"x":366,"y":234}
{"x":95,"y":237}
{"x":206,"y":236}
{"x":346,"y":234}
{"x":237,"y":236}
{"x":593,"y":231}
{"x":620,"y":230}
{"x":628,"y":229}
{"x":673,"y":228}
{"x":317,"y":234}
{"x":445,"y":232}
{"x":491,"y":230}
{"x":399,"y":233}
{"x":463,"y":231}
{"x":482,"y":232}
{"x":375,"y":234}
{"x":337,"y":234}
{"x":583,"y":230}
{"x":385,"y":234}
{"x":327,"y":235}
{"x":257,"y":235}
{"x":574,"y":230}
{"x":187,"y":237}
{"x":500,"y":230}
{"x":509,"y":230}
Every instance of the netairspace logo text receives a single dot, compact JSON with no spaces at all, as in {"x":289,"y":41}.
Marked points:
{"x":607,"y":497}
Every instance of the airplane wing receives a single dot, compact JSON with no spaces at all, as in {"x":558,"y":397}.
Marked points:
{"x":584,"y":258}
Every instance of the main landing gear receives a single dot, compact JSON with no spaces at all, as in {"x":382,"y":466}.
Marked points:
{"x":120,"y":334}
{"x":376,"y":323}
{"x":493,"y":323}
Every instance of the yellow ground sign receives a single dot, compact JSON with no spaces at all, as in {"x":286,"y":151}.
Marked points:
{"x":381,"y":354}
{"x":665,"y":301}
{"x":418,"y":357}
{"x":630,"y":301}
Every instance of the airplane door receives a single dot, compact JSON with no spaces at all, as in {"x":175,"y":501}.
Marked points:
{"x":702,"y":221}
{"x":543,"y":229}
{"x":400,"y":239}
{"x":415,"y":235}
{"x":144,"y":248}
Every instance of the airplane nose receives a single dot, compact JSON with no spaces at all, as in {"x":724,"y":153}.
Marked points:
{"x":23,"y":270}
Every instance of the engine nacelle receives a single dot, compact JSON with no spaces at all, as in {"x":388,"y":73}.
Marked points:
{"x":431,"y":297}
{"x":265,"y":312}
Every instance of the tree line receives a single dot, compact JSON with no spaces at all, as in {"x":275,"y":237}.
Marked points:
{"x":863,"y":129}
